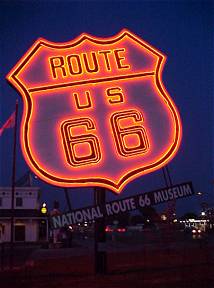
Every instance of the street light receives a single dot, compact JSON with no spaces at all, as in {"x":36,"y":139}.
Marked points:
{"x":44,"y":209}
{"x":163,"y":217}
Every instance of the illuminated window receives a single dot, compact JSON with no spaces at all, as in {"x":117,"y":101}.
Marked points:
{"x":19,"y":202}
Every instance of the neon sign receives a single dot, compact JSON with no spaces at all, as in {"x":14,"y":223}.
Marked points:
{"x":95,"y":111}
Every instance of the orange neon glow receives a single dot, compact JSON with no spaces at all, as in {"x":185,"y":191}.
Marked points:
{"x":95,"y":111}
{"x":83,"y":101}
{"x":71,"y":143}
{"x":121,"y":133}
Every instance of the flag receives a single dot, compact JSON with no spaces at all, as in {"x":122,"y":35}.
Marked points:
{"x":25,"y":180}
{"x":10,"y":123}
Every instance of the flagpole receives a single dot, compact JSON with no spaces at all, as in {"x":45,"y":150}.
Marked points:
{"x":13,"y":188}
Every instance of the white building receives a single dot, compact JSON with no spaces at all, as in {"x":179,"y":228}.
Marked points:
{"x":30,"y":225}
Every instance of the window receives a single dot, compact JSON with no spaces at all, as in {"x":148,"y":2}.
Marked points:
{"x":19,"y":202}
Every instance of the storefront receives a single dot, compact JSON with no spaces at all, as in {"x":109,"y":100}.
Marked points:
{"x":30,"y":224}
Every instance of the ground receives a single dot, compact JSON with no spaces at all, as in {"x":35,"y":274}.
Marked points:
{"x":131,"y":263}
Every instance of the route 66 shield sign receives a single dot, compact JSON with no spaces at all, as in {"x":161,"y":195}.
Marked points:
{"x":95,"y":111}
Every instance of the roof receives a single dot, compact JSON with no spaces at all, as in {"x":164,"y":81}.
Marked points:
{"x":25,"y":213}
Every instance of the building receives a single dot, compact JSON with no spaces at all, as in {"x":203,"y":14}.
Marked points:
{"x":30,"y":224}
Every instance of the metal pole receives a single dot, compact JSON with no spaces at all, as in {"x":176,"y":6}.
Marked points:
{"x":13,"y":190}
{"x":169,"y":176}
{"x":171,"y":204}
{"x":67,"y":199}
{"x":100,"y":236}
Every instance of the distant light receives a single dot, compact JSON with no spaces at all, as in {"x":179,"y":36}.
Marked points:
{"x":108,"y":229}
{"x":147,"y":220}
{"x":121,"y":230}
{"x":85,"y":224}
{"x":203,"y":213}
{"x":163,"y":217}
{"x":193,"y":231}
{"x":70,"y":227}
{"x":199,"y":231}
{"x":175,"y":220}
{"x":199,"y":193}
{"x":191,"y":220}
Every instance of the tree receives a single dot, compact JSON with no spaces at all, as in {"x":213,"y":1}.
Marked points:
{"x":150,"y":213}
{"x":189,"y":215}
{"x":137,"y":219}
{"x":122,"y":218}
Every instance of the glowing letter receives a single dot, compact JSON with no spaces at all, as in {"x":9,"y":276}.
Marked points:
{"x":75,"y":67}
{"x":57,"y":63}
{"x":105,"y":55}
{"x":115,"y":95}
{"x":136,"y":132}
{"x":86,"y":104}
{"x":89,"y":143}
{"x":95,"y":67}
{"x":120,"y":58}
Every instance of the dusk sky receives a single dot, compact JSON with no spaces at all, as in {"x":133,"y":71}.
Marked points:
{"x":182,"y":30}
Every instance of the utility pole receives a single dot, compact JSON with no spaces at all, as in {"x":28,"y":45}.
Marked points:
{"x":13,"y":190}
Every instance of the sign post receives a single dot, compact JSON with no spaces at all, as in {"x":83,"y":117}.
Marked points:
{"x":100,"y":256}
{"x":67,"y":198}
